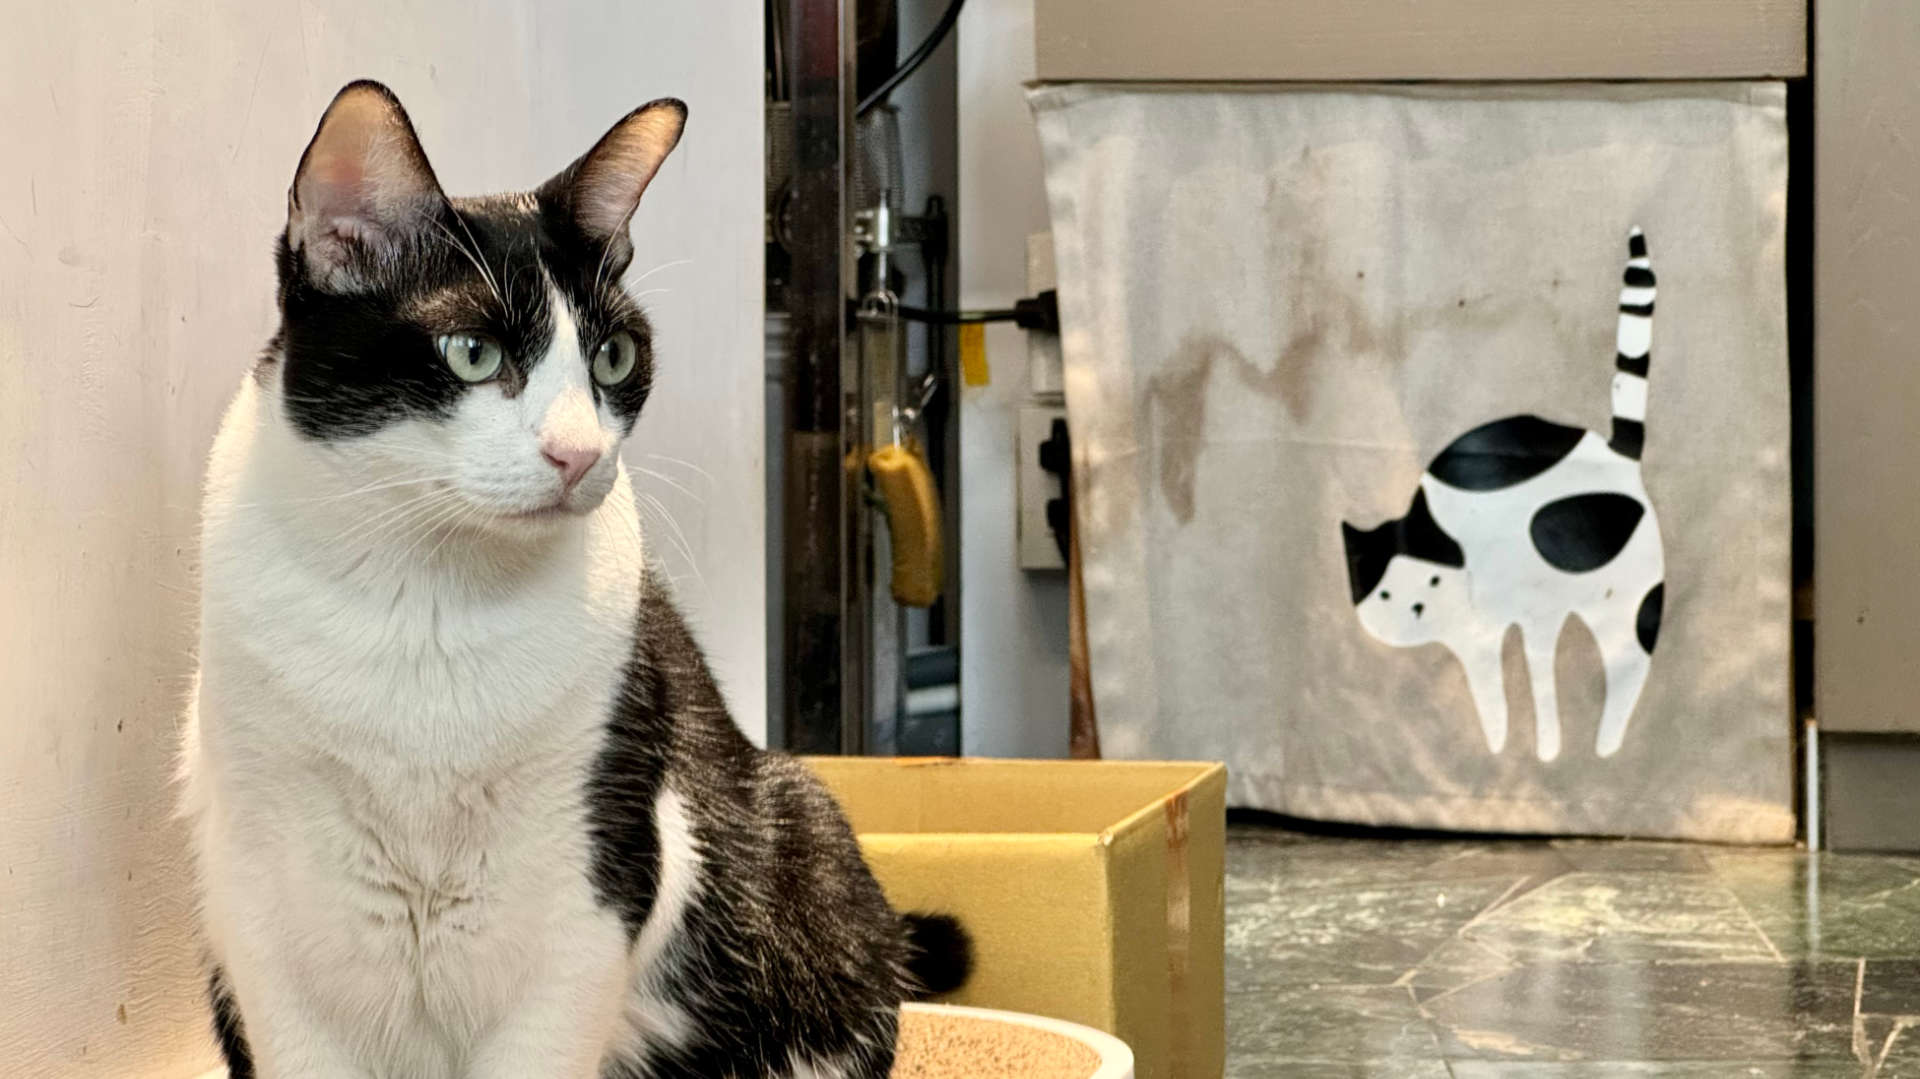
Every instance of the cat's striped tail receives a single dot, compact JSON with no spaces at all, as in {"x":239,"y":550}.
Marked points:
{"x":1634,"y":344}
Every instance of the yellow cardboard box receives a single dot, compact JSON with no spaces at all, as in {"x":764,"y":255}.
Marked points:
{"x":1093,"y":889}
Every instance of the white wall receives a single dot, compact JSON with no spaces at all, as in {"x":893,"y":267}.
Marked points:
{"x":148,"y":151}
{"x":1013,"y":677}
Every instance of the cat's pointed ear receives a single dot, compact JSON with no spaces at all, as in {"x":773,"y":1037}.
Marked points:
{"x":600,"y":191}
{"x":1365,"y":563}
{"x":1422,"y":536}
{"x":363,"y":187}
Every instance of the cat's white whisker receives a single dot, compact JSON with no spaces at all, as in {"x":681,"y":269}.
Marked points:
{"x":600,"y":266}
{"x":448,"y":525}
{"x":357,"y":492}
{"x":678,"y":536}
{"x":471,"y":253}
{"x":670,"y":482}
{"x":383,"y":524}
{"x":485,"y":270}
{"x":662,"y":266}
{"x":683,"y":463}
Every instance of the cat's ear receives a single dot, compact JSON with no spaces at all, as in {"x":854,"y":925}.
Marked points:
{"x":362,"y":190}
{"x":1366,"y":563}
{"x":600,"y":191}
{"x":1422,"y":537}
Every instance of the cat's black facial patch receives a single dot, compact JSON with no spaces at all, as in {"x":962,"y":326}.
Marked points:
{"x":1416,"y":535}
{"x":357,"y":361}
{"x":1646,"y":625}
{"x":601,"y":307}
{"x":1582,"y":533}
{"x":1504,"y":453}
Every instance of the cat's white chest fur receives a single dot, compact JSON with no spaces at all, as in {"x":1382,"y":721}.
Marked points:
{"x":387,"y":770}
{"x":303,"y":607}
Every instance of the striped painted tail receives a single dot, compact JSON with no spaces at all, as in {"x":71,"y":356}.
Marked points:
{"x":1635,"y":350}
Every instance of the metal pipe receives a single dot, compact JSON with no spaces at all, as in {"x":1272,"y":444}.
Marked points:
{"x":825,"y":522}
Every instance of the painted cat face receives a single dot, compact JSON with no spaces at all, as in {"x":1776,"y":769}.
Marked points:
{"x":1415,"y":602}
{"x":481,"y":345}
{"x":1407,"y":576}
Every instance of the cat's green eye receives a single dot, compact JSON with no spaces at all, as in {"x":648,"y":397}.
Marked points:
{"x":474,"y":357}
{"x":615,"y":359}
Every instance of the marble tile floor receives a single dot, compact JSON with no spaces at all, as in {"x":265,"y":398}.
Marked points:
{"x":1491,"y":959}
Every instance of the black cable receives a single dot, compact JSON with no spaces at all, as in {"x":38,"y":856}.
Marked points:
{"x":912,"y":62}
{"x":956,"y":318}
{"x":1040,"y":312}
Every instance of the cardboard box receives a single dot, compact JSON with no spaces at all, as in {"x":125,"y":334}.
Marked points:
{"x":1094,"y":890}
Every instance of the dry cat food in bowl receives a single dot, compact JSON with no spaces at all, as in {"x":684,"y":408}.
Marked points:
{"x":945,"y":1041}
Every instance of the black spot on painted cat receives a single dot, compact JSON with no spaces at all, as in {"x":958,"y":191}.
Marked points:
{"x":226,"y":1028}
{"x":1585,"y":532}
{"x":1503,"y":453}
{"x":1647,"y":625}
{"x":1629,"y":437}
{"x":1416,"y":535}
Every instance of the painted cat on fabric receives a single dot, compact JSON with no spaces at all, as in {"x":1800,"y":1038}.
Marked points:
{"x":1525,"y":522}
{"x":466,"y":801}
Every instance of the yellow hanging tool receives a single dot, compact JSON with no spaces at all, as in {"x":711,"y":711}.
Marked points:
{"x":898,"y":467}
{"x":913,"y":520}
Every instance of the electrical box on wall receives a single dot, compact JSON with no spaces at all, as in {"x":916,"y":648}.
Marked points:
{"x":1041,"y":445}
{"x":1043,"y":453}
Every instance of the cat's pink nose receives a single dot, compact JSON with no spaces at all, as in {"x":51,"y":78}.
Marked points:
{"x":572,"y":461}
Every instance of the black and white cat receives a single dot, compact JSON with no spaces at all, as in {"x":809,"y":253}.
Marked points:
{"x":466,"y":801}
{"x":1524,"y":522}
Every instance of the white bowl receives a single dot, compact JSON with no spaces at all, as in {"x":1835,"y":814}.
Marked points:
{"x":1116,"y":1060}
